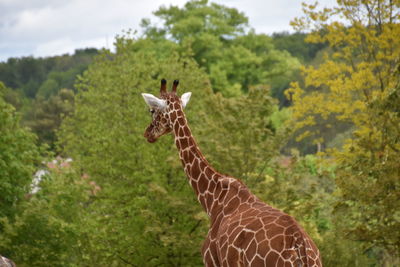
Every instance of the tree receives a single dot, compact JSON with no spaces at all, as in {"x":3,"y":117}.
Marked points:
{"x":19,"y":157}
{"x":240,"y":138}
{"x":45,"y":115}
{"x":357,"y":84}
{"x":53,"y":226}
{"x":220,"y":40}
{"x":296,"y":45}
{"x":146,"y":214}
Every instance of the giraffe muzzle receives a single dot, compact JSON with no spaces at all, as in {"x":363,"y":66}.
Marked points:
{"x":149,"y":138}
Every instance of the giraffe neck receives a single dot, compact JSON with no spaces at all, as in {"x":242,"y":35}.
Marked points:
{"x":202,"y":177}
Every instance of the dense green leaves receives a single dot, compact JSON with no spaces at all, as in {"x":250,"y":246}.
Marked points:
{"x":240,"y":147}
{"x":139,"y":181}
{"x":221,"y":42}
{"x":19,"y":156}
{"x":358,"y":85}
{"x":34,"y":85}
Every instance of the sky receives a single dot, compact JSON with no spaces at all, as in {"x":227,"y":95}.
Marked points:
{"x":42,"y":28}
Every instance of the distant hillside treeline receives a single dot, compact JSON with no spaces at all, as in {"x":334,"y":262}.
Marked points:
{"x":44,"y":77}
{"x":42,"y":89}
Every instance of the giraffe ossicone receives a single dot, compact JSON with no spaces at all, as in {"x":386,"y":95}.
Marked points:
{"x":244,"y":231}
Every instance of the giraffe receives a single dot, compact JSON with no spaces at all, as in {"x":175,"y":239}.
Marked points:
{"x":244,"y":231}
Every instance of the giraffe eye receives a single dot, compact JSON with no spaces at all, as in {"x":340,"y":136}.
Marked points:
{"x":152,"y":111}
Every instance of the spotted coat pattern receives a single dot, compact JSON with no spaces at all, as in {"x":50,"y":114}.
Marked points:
{"x":244,"y":231}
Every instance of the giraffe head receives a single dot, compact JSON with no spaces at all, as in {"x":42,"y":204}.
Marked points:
{"x":161,"y":109}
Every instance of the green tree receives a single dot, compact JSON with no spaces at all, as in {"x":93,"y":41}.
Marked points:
{"x":143,"y":183}
{"x":19,"y":156}
{"x":297,"y":46}
{"x":220,"y":40}
{"x":146,"y":214}
{"x":53,"y":226}
{"x":358,"y":84}
{"x":45,"y":115}
{"x":240,"y":138}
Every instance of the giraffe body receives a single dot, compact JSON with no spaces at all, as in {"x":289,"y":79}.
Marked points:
{"x":244,"y":231}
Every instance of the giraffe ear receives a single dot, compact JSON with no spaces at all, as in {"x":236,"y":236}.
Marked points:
{"x":154,"y":102}
{"x":185,"y":98}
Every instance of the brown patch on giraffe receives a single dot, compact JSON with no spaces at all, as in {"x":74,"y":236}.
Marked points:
{"x":248,"y":237}
{"x":267,"y":219}
{"x":290,"y":254}
{"x":243,"y":195}
{"x":191,"y":157}
{"x":277,"y":242}
{"x":208,"y":172}
{"x":180,"y":132}
{"x":234,"y":232}
{"x":176,"y":129}
{"x":226,"y":198}
{"x":254,"y":225}
{"x":284,"y":220}
{"x":233,"y":257}
{"x":173,"y":116}
{"x":260,"y":235}
{"x":246,"y":221}
{"x":222,"y":195}
{"x":208,"y":257}
{"x":194,"y":170}
{"x":222,"y":185}
{"x":252,"y":212}
{"x":186,"y":130}
{"x":274,"y":231}
{"x":232,"y":205}
{"x":272,"y":258}
{"x":233,"y":223}
{"x":280,"y":262}
{"x":184,"y":143}
{"x":251,"y":250}
{"x":224,"y":241}
{"x":202,"y":183}
{"x":191,"y":142}
{"x":263,"y":245}
{"x":203,"y":165}
{"x":186,"y":155}
{"x":209,"y":200}
{"x":181,"y":121}
{"x":211,"y":186}
{"x":257,"y":262}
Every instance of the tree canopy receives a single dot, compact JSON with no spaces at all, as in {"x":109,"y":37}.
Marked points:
{"x":19,"y":157}
{"x":221,"y":41}
{"x":357,"y":84}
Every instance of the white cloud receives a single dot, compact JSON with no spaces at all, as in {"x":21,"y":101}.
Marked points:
{"x":51,"y":27}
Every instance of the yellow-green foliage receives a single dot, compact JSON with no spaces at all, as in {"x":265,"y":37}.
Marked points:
{"x":361,"y":67}
{"x":358,"y":84}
